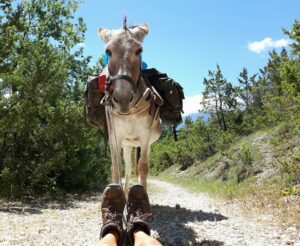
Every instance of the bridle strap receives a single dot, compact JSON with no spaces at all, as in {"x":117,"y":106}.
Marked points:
{"x":124,"y":77}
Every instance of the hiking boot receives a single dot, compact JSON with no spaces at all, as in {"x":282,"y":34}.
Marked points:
{"x":138,"y":212}
{"x":112,"y":207}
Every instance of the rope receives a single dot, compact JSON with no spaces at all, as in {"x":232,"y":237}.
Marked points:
{"x":115,"y":155}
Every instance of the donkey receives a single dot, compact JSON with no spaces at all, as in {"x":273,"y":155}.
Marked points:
{"x":133,"y":105}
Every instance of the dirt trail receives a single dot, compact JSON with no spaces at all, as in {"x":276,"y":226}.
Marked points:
{"x":200,"y":220}
{"x":180,"y":218}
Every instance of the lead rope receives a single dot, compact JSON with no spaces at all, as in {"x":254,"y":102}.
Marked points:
{"x":113,"y":142}
{"x":114,"y":154}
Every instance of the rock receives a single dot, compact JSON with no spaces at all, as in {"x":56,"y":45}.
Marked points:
{"x":292,"y":229}
{"x":289,"y":242}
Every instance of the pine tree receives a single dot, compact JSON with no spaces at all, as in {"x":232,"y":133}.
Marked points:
{"x":218,"y":97}
{"x":244,"y":88}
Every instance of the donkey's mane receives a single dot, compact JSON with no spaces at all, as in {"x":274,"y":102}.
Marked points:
{"x":125,"y":22}
{"x":125,"y":27}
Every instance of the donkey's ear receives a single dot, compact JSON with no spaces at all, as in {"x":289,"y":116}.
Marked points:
{"x":140,"y":32}
{"x":105,"y":34}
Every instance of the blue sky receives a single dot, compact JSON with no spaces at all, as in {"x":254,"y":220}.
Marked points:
{"x":187,"y":38}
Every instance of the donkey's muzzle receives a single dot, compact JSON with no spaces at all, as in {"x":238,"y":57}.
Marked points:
{"x":123,"y":100}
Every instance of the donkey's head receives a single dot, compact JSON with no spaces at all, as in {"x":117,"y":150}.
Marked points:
{"x":124,"y":48}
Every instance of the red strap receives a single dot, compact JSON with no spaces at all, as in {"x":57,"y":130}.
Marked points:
{"x":102,"y":79}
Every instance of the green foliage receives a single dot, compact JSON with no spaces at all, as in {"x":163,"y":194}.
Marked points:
{"x":294,"y":34}
{"x":218,"y":97}
{"x":162,"y":155}
{"x":196,"y":142}
{"x":244,"y":89}
{"x":290,"y":168}
{"x":45,"y":146}
{"x":286,"y":142}
{"x":265,"y":99}
{"x":245,"y":155}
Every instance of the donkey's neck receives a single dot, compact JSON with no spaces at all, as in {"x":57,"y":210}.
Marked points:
{"x":142,"y":97}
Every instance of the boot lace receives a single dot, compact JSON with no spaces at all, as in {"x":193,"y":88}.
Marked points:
{"x":110,"y":216}
{"x":139,"y":215}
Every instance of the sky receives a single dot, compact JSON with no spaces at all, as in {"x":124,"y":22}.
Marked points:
{"x":188,"y":38}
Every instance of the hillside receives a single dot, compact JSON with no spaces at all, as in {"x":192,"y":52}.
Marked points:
{"x":261,"y":155}
{"x":261,"y":171}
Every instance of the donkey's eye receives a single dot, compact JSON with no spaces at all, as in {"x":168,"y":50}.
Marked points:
{"x":108,"y":52}
{"x":139,"y":51}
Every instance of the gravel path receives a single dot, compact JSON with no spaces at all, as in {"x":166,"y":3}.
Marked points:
{"x":184,"y":218}
{"x":180,"y":218}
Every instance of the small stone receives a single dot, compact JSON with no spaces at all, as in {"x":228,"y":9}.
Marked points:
{"x":292,"y":229}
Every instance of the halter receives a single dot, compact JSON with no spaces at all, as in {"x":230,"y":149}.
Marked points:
{"x":133,"y":84}
{"x":110,"y":79}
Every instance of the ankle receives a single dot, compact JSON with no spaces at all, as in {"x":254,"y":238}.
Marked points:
{"x":112,"y":234}
{"x":109,"y":239}
{"x":116,"y":235}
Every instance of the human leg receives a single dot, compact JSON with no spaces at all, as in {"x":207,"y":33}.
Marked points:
{"x":110,"y":239}
{"x":143,"y":239}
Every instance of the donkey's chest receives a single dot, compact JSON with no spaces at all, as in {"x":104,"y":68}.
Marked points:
{"x":136,"y":129}
{"x":133,"y":127}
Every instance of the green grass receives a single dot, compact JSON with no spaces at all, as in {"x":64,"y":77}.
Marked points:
{"x":198,"y":185}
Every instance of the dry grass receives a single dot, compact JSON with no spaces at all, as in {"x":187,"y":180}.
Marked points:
{"x":270,"y":199}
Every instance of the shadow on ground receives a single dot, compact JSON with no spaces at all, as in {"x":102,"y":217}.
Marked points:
{"x":170,"y":224}
{"x":36,"y":206}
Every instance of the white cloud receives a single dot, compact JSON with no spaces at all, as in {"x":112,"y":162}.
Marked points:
{"x":267,"y":43}
{"x":192,"y":104}
{"x":81,"y":44}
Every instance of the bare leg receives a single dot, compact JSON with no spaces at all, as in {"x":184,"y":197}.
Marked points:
{"x":109,"y":239}
{"x":142,"y":239}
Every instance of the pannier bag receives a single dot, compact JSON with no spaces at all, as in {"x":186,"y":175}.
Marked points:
{"x":170,"y":91}
{"x":172,"y":94}
{"x":94,"y":111}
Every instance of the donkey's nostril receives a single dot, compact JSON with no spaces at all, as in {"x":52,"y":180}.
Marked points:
{"x":115,"y":99}
{"x":131,"y":98}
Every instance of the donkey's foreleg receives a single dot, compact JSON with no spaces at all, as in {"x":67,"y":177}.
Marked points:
{"x":143,"y":166}
{"x":127,"y":158}
{"x":116,"y":162}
